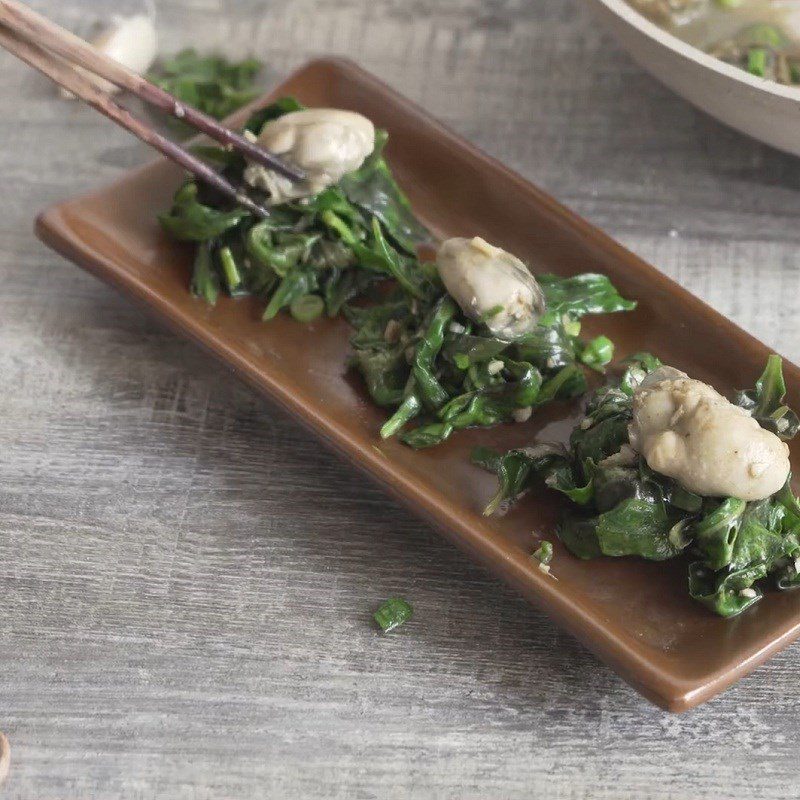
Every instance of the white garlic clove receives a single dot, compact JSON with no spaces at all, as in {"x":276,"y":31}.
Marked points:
{"x":130,"y":41}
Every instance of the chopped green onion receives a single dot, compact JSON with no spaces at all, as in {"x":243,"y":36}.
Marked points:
{"x":307,"y":307}
{"x":572,"y":327}
{"x":757,"y":62}
{"x":545,"y":553}
{"x":393,"y":613}
{"x":727,"y":4}
{"x":230,"y":269}
{"x":597,"y":353}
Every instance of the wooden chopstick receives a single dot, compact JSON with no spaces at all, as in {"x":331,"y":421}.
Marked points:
{"x":44,"y":33}
{"x":65,"y":75}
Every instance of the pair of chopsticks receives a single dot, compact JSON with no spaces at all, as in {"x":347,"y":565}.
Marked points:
{"x":55,"y":52}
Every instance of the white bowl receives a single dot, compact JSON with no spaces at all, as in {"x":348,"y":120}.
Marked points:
{"x":761,"y":108}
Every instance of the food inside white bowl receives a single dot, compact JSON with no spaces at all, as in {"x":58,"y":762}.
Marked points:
{"x":673,"y":51}
{"x":759,"y":36}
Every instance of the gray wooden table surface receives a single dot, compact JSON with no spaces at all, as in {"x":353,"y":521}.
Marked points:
{"x":187,"y":577}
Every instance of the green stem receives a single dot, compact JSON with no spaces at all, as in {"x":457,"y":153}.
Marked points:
{"x":431,"y":391}
{"x":230,"y":269}
{"x":408,"y":409}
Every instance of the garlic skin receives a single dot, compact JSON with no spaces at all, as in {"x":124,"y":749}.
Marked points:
{"x":491,"y":286}
{"x":688,"y":431}
{"x":130,"y":41}
{"x":326,"y":143}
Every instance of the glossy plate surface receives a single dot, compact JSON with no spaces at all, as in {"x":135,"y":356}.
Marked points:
{"x":635,"y":615}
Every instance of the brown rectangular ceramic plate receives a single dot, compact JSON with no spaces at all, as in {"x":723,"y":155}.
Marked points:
{"x":635,"y":615}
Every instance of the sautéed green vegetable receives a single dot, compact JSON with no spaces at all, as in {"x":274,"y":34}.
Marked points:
{"x":622,"y":507}
{"x":352,"y":250}
{"x":212,"y":84}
